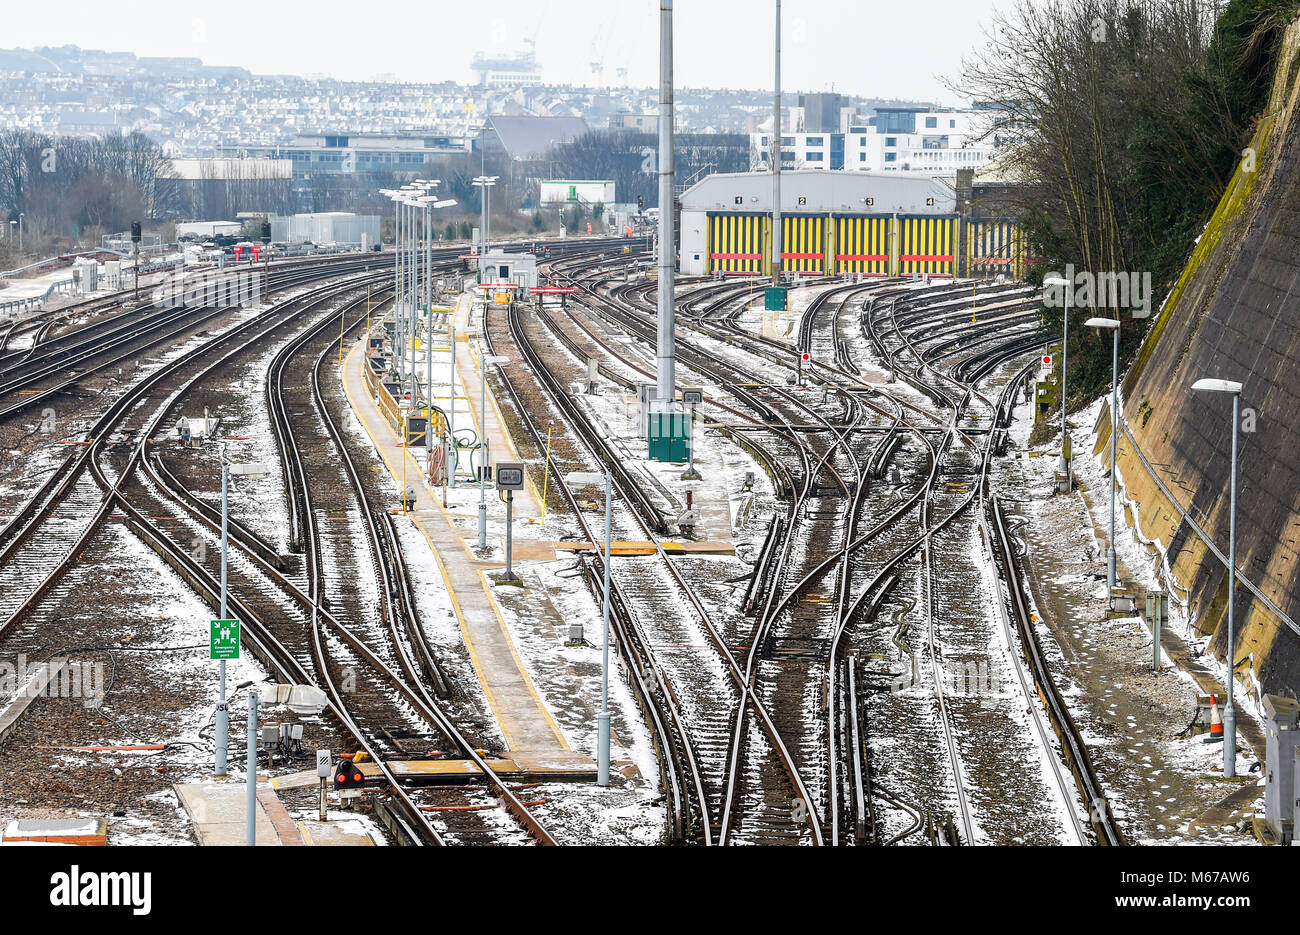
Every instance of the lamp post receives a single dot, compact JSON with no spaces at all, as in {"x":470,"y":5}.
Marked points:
{"x":396,"y":198}
{"x":1209,"y":385}
{"x":223,"y":714}
{"x":20,"y":231}
{"x":253,"y":472}
{"x":483,"y":361}
{"x":425,"y":205}
{"x":578,"y":478}
{"x":250,"y":797}
{"x":776,"y":157}
{"x":405,"y":260}
{"x":666,"y":346}
{"x":1111,"y":324}
{"x":483,"y":183}
{"x":1065,"y":285}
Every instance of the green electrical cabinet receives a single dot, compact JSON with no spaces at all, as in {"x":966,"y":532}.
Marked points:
{"x":669,"y":435}
{"x":774,"y":298}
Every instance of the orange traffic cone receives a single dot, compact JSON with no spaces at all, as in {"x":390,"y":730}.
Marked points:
{"x":1216,"y":722}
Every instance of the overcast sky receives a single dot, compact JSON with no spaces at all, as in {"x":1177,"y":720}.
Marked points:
{"x":888,"y":48}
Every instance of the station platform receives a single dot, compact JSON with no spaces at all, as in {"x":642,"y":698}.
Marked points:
{"x":527,"y":502}
{"x":619,"y":547}
{"x":524,"y":721}
{"x":524,"y":766}
{"x":85,"y":832}
{"x":218,"y":813}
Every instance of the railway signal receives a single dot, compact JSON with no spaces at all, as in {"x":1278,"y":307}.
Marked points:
{"x":135,"y":240}
{"x":348,"y":776}
{"x":510,"y":477}
{"x":323,"y":771}
{"x":692,"y":397}
{"x":803,"y":359}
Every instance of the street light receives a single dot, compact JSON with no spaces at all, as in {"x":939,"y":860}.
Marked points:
{"x":1208,"y":385}
{"x":404,"y":266}
{"x":396,"y":197}
{"x":252,"y":471}
{"x":1065,"y":285}
{"x":483,"y":183}
{"x":581,"y":479}
{"x":427,"y":204}
{"x":483,"y":361}
{"x":1113,"y":325}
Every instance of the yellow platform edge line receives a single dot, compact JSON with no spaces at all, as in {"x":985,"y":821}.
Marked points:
{"x":479,"y":670}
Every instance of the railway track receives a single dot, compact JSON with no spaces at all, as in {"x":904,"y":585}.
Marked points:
{"x":268,"y":622}
{"x":766,"y":735}
{"x":353,"y":625}
{"x":1002,"y":314}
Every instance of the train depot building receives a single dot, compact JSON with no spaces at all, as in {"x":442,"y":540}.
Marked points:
{"x":843,"y":224}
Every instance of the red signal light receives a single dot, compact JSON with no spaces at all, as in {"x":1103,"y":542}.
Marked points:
{"x":348,"y":776}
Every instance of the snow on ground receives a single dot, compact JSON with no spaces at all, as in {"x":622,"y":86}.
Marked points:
{"x":568,"y":679}
{"x":1156,"y":782}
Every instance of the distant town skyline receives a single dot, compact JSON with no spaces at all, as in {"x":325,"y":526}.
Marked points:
{"x":893,"y":51}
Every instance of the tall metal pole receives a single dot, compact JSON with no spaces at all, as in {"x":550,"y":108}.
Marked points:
{"x":1230,"y":711}
{"x":510,"y":517}
{"x":667,"y":350}
{"x":482,"y":229}
{"x":451,"y":401}
{"x":1114,"y":443}
{"x":413,"y":296}
{"x":399,"y":284}
{"x":483,"y":450}
{"x":223,"y":715}
{"x":397,"y":257}
{"x":602,"y":719}
{"x":250,"y":820}
{"x":1065,"y":359}
{"x":776,"y":158}
{"x":428,"y":333}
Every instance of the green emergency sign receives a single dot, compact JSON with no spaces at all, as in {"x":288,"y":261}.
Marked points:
{"x":223,"y":640}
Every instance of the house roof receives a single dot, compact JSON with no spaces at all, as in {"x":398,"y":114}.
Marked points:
{"x":532,"y":137}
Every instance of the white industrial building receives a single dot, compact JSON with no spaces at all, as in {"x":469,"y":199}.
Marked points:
{"x":895,"y":139}
{"x":329,"y":227}
{"x":517,"y":268}
{"x":208,"y":228}
{"x":577,"y":191}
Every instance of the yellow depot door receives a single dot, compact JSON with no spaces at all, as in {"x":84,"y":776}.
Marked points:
{"x":996,"y":246}
{"x":927,"y":245}
{"x":803,"y":244}
{"x":862,"y":245}
{"x":738,"y":243}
